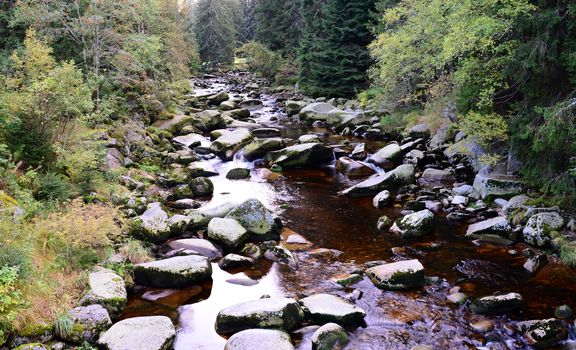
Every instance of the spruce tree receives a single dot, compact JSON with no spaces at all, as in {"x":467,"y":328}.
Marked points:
{"x":247,"y":29}
{"x":215,"y":30}
{"x":333,"y":55}
{"x":278,"y":24}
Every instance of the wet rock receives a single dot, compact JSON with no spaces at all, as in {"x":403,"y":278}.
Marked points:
{"x":459,"y":200}
{"x":152,"y":225}
{"x":218,"y":98}
{"x":414,"y":225}
{"x":384,"y":223}
{"x":185,"y":203}
{"x":401,"y":176}
{"x":328,"y":337}
{"x":457,"y":298}
{"x":258,"y":148}
{"x":347,"y":279}
{"x":199,"y":218}
{"x":259,"y":339}
{"x":539,"y":228}
{"x":387,"y":157}
{"x":234,"y":260}
{"x":317,"y":111}
{"x":497,"y":185}
{"x":227,"y":231}
{"x":201,"y":186}
{"x":359,"y":152}
{"x":296,"y":239}
{"x":496,"y":304}
{"x":228,"y":105}
{"x":251,"y":104}
{"x":200,"y":169}
{"x":238,"y":174}
{"x":257,"y":219}
{"x":546,"y":333}
{"x":189,"y":141}
{"x":266,"y":133}
{"x":89,"y":321}
{"x":180,"y":192}
{"x":419,"y":131}
{"x":325,"y":308}
{"x":294,"y":107}
{"x":352,"y":168}
{"x":33,"y":346}
{"x":563,"y":312}
{"x":398,"y":275}
{"x":198,"y":246}
{"x":176,"y":272}
{"x":482,"y":326}
{"x":240,"y":113}
{"x":228,"y":144}
{"x":496,"y":226}
{"x":307,"y":154}
{"x":279,"y":313}
{"x":382,"y":199}
{"x":281,"y":255}
{"x":463,"y":190}
{"x":431,"y":175}
{"x":210,"y":119}
{"x":106,"y":288}
{"x":143,"y":333}
{"x":252,"y":250}
{"x":535,"y":263}
{"x":310,"y":138}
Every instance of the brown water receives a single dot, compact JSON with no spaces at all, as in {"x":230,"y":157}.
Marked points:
{"x":344,"y":229}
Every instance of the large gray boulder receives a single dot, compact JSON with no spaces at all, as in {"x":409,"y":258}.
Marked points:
{"x":279,"y":313}
{"x":414,"y":225}
{"x":434,"y":176}
{"x":539,"y":227}
{"x":398,"y":275}
{"x":188,"y":141}
{"x":258,"y":148}
{"x":176,"y":272}
{"x":89,"y":321}
{"x":387,"y":157}
{"x":197,"y":246}
{"x":201,"y":186}
{"x":142,"y":333}
{"x":325,"y":308}
{"x":199,"y":218}
{"x":328,"y":337}
{"x":308,"y":154}
{"x":401,"y":176}
{"x":494,"y":226}
{"x":210,"y":119}
{"x":490,"y":186}
{"x":496,"y":304}
{"x":152,"y":225}
{"x":227,"y":231}
{"x":108,"y":289}
{"x":260,"y":339}
{"x":294,"y":107}
{"x":200,"y":169}
{"x":229,"y":143}
{"x":353,"y":168}
{"x":317,"y":111}
{"x":257,"y":219}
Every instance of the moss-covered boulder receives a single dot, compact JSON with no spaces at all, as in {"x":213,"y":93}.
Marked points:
{"x":259,"y":339}
{"x":496,"y":304}
{"x":176,"y":272}
{"x":546,"y":333}
{"x":399,"y":275}
{"x":108,"y":289}
{"x":308,"y":154}
{"x":539,"y":227}
{"x":401,"y":176}
{"x":328,"y":337}
{"x":218,"y":98}
{"x":142,"y":333}
{"x":416,"y":224}
{"x":257,"y":219}
{"x":294,"y":107}
{"x":200,"y":169}
{"x":238,"y":174}
{"x":229,"y":143}
{"x":199,"y":218}
{"x":197,"y":246}
{"x":201,"y":186}
{"x":88,"y":323}
{"x":227,"y":232}
{"x":278,"y":313}
{"x":231,"y":261}
{"x":152,"y":225}
{"x":492,"y":186}
{"x":325,"y":308}
{"x":259,"y":147}
{"x":495,"y":226}
{"x":387,"y":157}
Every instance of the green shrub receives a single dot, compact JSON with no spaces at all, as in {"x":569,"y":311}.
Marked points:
{"x":10,"y":300}
{"x":54,"y":187}
{"x":63,"y":326}
{"x":260,"y":59}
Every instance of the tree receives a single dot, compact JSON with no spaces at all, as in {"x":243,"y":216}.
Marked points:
{"x":215,"y":30}
{"x":334,"y":56}
{"x":278,"y":25}
{"x":247,"y":21}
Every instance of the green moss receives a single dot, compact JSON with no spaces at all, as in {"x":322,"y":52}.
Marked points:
{"x":33,"y":330}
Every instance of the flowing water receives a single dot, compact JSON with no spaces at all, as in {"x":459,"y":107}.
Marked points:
{"x":343,"y":236}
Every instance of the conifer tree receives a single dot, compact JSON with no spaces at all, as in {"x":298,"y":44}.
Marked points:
{"x":278,"y":24}
{"x":215,"y":30}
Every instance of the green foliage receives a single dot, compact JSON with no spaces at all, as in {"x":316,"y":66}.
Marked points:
{"x":63,"y":326}
{"x":53,"y":187}
{"x":259,"y":59}
{"x":278,"y":25}
{"x":215,"y":30}
{"x":10,"y":300}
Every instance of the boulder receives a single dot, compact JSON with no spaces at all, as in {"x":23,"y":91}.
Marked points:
{"x":317,"y":111}
{"x":294,"y":107}
{"x":199,"y":218}
{"x":114,"y":159}
{"x":89,"y":321}
{"x":142,"y":333}
{"x":176,"y":272}
{"x":238,"y":173}
{"x":106,"y":288}
{"x":353,"y":168}
{"x":210,"y":119}
{"x":310,"y":138}
{"x":435,"y":176}
{"x":257,"y":219}
{"x":387,"y":157}
{"x":227,"y":231}
{"x":384,"y":223}
{"x":539,"y":227}
{"x":218,"y":98}
{"x":152,"y":225}
{"x":546,"y":333}
{"x":401,"y":176}
{"x":494,"y":226}
{"x":266,"y":133}
{"x":496,"y":304}
{"x":490,"y":186}
{"x":414,"y":225}
{"x":231,"y":261}
{"x":200,"y":169}
{"x":260,"y":339}
{"x":359,"y":152}
{"x":398,"y":275}
{"x":228,"y":105}
{"x":189,"y":141}
{"x":328,"y":337}
{"x":251,"y":104}
{"x":516,"y":203}
{"x":258,"y":148}
{"x":325,"y":308}
{"x":382,"y":199}
{"x":201,"y":186}
{"x":282,"y":256}
{"x":199,"y":246}
{"x":228,"y":144}
{"x":278,"y":313}
{"x":307,"y":154}
{"x":419,"y":131}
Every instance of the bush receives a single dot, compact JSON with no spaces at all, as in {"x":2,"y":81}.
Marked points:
{"x":53,"y":187}
{"x":488,"y":130}
{"x":10,"y":301}
{"x":260,"y":59}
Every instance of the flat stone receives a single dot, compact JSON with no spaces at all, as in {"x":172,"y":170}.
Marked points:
{"x":496,"y":304}
{"x":325,"y":308}
{"x":401,"y":176}
{"x":398,"y":275}
{"x":176,"y":272}
{"x":199,"y":246}
{"x":307,"y":154}
{"x":387,"y":157}
{"x":142,"y":333}
{"x":496,"y":226}
{"x":227,"y":231}
{"x":234,"y":260}
{"x":258,"y":148}
{"x":106,"y":288}
{"x":431,"y":175}
{"x":189,"y":141}
{"x":259,"y":339}
{"x":228,"y":144}
{"x":353,"y":168}
{"x":382,"y":199}
{"x":498,"y":185}
{"x":89,"y":321}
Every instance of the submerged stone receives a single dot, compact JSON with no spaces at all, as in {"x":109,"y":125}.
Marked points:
{"x":496,"y":304}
